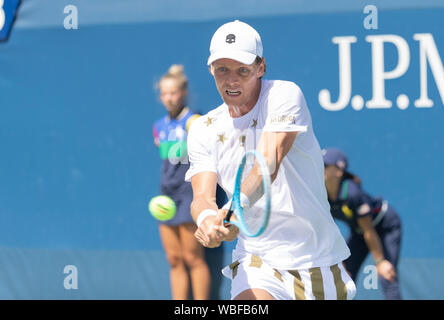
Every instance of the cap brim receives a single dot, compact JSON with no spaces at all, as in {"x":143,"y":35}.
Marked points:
{"x":241,"y":56}
{"x":328,"y":163}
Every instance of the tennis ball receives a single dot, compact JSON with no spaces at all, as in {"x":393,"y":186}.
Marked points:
{"x":162,"y":208}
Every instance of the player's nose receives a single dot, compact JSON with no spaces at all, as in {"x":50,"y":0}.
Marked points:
{"x":232,"y":80}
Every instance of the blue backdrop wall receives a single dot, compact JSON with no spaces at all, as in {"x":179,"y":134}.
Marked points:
{"x":78,"y":164}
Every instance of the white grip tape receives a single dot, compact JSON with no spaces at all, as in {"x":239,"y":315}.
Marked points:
{"x":205,"y":213}
{"x":245,"y":202}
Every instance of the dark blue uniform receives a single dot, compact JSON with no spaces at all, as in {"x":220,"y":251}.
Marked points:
{"x":170,"y":136}
{"x":385,"y":221}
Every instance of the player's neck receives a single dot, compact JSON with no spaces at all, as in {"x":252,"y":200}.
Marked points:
{"x":175,"y":113}
{"x":239,"y":111}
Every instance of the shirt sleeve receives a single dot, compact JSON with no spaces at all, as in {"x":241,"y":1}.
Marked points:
{"x":359,"y":202}
{"x":287,"y":109}
{"x":199,"y":151}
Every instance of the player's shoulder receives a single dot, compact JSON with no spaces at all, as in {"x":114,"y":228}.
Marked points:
{"x":283,"y":86}
{"x":205,"y":121}
{"x":281,"y":91}
{"x":196,"y":122}
{"x":280,"y":94}
{"x":354,"y":189}
{"x":218,"y":111}
{"x":190,"y":118}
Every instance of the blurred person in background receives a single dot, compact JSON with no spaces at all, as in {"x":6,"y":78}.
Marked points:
{"x":375,"y":226}
{"x":185,"y":255}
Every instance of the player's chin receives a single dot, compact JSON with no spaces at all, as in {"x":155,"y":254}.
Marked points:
{"x":173,"y":108}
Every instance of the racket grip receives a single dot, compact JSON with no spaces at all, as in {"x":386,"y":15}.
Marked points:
{"x":228,"y":216}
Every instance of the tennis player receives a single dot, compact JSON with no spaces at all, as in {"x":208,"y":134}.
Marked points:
{"x":300,"y":254}
{"x":375,"y":226}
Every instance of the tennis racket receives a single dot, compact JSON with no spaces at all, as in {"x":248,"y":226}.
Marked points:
{"x":252,"y":222}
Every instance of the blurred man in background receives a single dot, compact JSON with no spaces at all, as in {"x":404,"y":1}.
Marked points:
{"x":375,"y":226}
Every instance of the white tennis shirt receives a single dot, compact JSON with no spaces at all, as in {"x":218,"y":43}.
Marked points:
{"x":301,"y":232}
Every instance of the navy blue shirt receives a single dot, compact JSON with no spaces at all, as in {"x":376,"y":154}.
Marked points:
{"x":170,"y":136}
{"x":348,"y":206}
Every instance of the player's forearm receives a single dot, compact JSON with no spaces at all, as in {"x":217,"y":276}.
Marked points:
{"x":252,"y":186}
{"x":274,"y":147}
{"x":374,"y":244}
{"x":200,"y":204}
{"x":204,"y":193}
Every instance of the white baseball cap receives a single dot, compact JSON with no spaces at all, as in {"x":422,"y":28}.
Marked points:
{"x":235,"y":40}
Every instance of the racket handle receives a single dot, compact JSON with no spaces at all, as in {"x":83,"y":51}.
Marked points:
{"x":228,"y":216}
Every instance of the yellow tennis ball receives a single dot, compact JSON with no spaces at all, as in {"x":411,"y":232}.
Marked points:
{"x":162,"y":208}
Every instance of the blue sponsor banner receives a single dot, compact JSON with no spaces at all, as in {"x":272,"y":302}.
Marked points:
{"x":8,"y":12}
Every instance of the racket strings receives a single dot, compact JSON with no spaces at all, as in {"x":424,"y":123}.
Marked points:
{"x":252,"y":180}
{"x":252,"y":187}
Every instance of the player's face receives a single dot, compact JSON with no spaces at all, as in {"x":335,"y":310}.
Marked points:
{"x":238,"y":83}
{"x":172,"y":95}
{"x":332,"y":173}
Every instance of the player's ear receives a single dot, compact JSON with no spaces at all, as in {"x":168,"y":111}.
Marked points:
{"x":261,"y":68}
{"x":211,"y":69}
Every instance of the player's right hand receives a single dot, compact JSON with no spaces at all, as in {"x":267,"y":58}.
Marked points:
{"x":212,"y":231}
{"x":208,"y":233}
{"x":386,"y":270}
